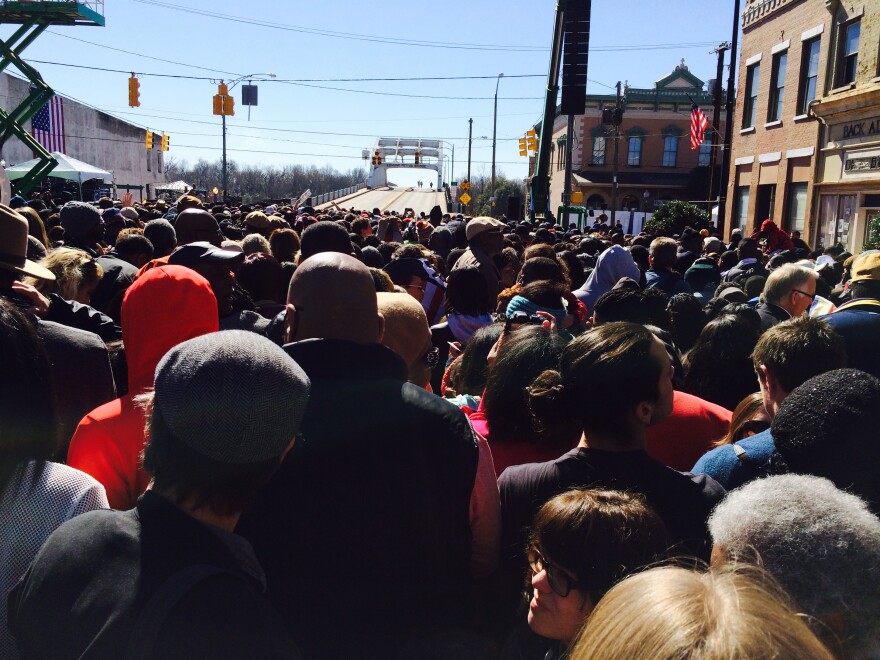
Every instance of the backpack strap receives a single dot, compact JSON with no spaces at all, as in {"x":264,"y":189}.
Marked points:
{"x":145,"y":632}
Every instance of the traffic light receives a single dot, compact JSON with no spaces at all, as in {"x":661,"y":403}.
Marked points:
{"x":134,"y":92}
{"x":523,"y":149}
{"x":617,"y":116}
{"x":418,"y":157}
{"x":532,"y":140}
{"x":148,"y":143}
{"x":223,"y":102}
{"x":377,"y":158}
{"x":165,"y":141}
{"x":607,"y":116}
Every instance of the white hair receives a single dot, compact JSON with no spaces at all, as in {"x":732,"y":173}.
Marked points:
{"x":782,"y":280}
{"x":822,"y":544}
{"x":253,"y":243}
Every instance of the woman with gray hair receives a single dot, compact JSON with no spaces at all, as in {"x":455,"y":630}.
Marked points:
{"x":820,"y":543}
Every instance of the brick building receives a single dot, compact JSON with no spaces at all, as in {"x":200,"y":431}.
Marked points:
{"x":655,"y":160}
{"x":783,"y":69}
{"x":848,"y":169}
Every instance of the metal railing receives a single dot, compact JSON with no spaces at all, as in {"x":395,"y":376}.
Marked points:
{"x":323,"y":198}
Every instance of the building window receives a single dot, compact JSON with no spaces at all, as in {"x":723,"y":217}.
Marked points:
{"x":670,"y":150}
{"x":599,"y":150}
{"x":742,"y":206}
{"x":560,"y":159}
{"x":749,"y":110}
{"x":797,"y":207}
{"x":704,"y":155}
{"x":634,"y":152}
{"x":848,"y":53}
{"x":777,"y":87}
{"x":809,"y":74}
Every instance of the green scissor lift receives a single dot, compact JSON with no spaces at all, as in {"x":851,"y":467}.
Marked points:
{"x":34,"y":17}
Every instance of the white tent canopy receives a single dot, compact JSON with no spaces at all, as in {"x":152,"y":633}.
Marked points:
{"x":176,"y":186}
{"x":67,"y":168}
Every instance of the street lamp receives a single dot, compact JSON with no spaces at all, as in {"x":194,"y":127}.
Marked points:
{"x":495,"y":133}
{"x":223,"y":116}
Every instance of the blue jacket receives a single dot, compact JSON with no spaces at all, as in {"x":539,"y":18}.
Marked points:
{"x":667,"y":281}
{"x":858,"y":322}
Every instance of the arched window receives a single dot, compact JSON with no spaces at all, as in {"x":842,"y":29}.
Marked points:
{"x":635,"y":138}
{"x":600,"y":137}
{"x":596,"y":201}
{"x":671,"y":135}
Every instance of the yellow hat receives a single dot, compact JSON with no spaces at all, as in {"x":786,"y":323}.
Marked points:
{"x":866,"y":267}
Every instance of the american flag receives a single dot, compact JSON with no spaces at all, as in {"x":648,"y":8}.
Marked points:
{"x":699,"y":124}
{"x":47,"y":125}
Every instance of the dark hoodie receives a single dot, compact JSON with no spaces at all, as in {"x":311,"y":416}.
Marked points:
{"x":108,"y":442}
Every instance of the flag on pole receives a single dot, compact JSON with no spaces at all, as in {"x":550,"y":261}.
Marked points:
{"x":47,"y":125}
{"x":699,"y":124}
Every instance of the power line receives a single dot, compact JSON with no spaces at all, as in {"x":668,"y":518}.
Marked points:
{"x":400,"y":41}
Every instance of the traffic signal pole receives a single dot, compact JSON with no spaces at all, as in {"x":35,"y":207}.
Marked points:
{"x":540,"y":201}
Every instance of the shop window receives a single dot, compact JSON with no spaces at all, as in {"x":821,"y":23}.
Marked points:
{"x":777,"y":86}
{"x":670,"y":150}
{"x":741,"y":210}
{"x":797,"y":207}
{"x":753,"y":73}
{"x":848,"y":52}
{"x":809,"y":74}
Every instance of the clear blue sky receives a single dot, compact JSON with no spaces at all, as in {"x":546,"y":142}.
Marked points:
{"x":308,"y":123}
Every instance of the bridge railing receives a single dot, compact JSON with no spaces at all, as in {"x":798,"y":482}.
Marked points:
{"x":323,"y":198}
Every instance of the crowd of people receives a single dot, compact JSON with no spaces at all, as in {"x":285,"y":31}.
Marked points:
{"x":266,"y":431}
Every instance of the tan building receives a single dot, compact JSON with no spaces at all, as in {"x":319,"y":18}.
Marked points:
{"x":655,"y":160}
{"x":847,"y":186}
{"x":96,"y":138}
{"x":783,"y":70}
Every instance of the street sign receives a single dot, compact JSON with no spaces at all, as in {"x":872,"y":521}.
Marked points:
{"x":465,"y":198}
{"x":465,"y":185}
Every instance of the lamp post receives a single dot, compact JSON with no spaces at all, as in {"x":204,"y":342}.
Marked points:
{"x":223,"y":117}
{"x":494,"y":135}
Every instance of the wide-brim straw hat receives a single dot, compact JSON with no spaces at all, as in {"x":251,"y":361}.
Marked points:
{"x":14,"y":243}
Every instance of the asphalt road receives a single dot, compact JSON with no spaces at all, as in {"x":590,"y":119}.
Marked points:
{"x":392,"y":199}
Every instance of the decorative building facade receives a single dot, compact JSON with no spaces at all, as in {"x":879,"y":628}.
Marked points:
{"x":655,"y":162}
{"x":848,"y":168}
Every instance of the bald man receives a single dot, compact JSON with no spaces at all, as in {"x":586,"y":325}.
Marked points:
{"x":194,"y":225}
{"x":364,"y":533}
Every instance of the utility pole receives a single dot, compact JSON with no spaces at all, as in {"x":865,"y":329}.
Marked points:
{"x":494,"y":134}
{"x":728,"y":128}
{"x":569,"y":138}
{"x":541,"y":179}
{"x":470,"y":140}
{"x":618,"y":118}
{"x":716,"y":117}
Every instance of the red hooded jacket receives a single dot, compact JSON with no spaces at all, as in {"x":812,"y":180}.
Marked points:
{"x":165,"y":306}
{"x":777,"y":239}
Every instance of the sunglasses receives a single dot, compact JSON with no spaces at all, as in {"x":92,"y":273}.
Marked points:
{"x":432,"y":357}
{"x":811,"y":296}
{"x":560,"y":581}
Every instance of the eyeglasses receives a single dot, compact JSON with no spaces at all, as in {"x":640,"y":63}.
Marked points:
{"x":559,"y":580}
{"x":432,"y":357}
{"x":811,"y":296}
{"x":413,"y":286}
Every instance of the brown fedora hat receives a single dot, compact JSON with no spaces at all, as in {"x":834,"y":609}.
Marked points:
{"x":13,"y":245}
